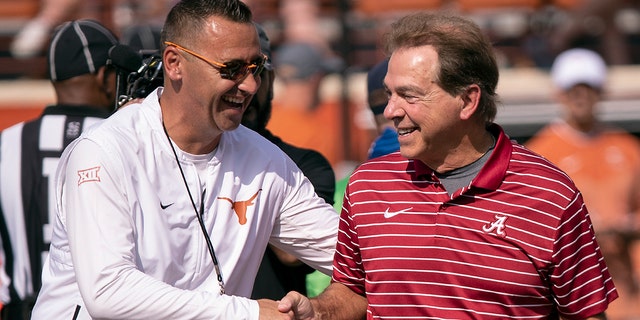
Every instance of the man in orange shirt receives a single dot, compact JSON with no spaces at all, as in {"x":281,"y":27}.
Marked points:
{"x":603,"y":161}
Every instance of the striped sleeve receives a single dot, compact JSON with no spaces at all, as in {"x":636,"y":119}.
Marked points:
{"x":347,"y":262}
{"x":580,"y":278}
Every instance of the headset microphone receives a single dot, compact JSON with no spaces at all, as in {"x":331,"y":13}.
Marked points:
{"x":124,"y":58}
{"x":137,"y":73}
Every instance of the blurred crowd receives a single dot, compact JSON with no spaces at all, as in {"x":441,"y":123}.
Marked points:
{"x":526,"y":32}
{"x":317,"y":43}
{"x":314,"y":39}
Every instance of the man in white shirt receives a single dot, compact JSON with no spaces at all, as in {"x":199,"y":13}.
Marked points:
{"x":165,"y":209}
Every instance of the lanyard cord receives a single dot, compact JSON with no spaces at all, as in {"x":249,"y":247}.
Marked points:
{"x":199,"y":215}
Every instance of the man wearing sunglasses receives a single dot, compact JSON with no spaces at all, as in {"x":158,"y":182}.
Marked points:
{"x":165,"y":209}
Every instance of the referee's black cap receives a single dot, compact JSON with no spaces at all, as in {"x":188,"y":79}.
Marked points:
{"x":79,"y":47}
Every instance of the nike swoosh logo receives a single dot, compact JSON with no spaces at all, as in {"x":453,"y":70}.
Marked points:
{"x":164,"y":206}
{"x":388,"y":214}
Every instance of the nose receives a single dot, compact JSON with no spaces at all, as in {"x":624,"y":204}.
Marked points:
{"x":391,"y":110}
{"x":250,"y":83}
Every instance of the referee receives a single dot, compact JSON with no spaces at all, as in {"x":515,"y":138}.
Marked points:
{"x":85,"y":90}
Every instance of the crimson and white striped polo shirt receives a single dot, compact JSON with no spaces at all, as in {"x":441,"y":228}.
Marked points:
{"x":517,"y":243}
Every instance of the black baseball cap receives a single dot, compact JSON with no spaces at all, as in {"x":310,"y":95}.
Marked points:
{"x":78,"y":47}
{"x":376,"y":94}
{"x":265,"y":45}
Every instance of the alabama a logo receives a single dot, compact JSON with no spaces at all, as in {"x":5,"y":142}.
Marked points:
{"x":88,"y":175}
{"x":497,"y":227}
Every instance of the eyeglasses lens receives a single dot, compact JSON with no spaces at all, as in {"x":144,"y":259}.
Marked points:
{"x":239,"y":70}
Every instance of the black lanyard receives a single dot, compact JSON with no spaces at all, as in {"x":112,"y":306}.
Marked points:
{"x":199,"y":215}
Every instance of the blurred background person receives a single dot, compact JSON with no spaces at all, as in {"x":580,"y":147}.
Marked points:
{"x":386,"y":140}
{"x":279,"y":271}
{"x":85,"y":89}
{"x":31,"y":39}
{"x":301,"y":67}
{"x":118,"y":15}
{"x":604,"y":162}
{"x":593,"y":23}
{"x":304,"y":57}
{"x":142,"y":38}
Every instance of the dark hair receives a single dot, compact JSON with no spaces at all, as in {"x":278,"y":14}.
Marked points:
{"x":466,"y":56}
{"x":186,"y":19}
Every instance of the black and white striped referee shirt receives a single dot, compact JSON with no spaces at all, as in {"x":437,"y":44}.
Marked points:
{"x":29,"y":154}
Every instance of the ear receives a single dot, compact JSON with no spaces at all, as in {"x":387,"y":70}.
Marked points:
{"x":172,"y":63}
{"x":105,"y":77}
{"x":470,"y":101}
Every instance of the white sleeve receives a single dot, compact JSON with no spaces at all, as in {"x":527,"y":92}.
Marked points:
{"x":102,"y":237}
{"x":308,"y":226}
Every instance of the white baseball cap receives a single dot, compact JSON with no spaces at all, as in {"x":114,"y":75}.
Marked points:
{"x":579,"y":66}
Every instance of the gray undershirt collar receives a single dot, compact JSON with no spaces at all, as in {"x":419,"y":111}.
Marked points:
{"x":461,"y":177}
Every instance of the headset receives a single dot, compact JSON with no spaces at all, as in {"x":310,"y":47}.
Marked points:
{"x":138,"y":73}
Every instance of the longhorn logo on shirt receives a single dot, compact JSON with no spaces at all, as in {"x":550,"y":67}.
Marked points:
{"x":88,"y":175}
{"x":240,"y":207}
{"x":497,"y":226}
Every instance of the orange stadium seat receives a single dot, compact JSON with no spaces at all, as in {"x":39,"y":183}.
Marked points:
{"x":468,"y":5}
{"x":379,"y":7}
{"x":567,"y":4}
{"x":18,"y":9}
{"x":14,"y":14}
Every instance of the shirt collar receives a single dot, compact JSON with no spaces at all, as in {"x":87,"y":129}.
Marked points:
{"x":492,"y":173}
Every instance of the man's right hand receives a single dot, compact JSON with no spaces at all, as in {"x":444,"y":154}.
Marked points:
{"x":336,"y":302}
{"x":296,"y":306}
